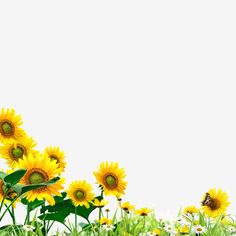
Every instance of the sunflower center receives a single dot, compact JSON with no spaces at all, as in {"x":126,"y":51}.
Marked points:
{"x":17,"y":152}
{"x":36,"y":178}
{"x":80,"y":195}
{"x":111,"y":181}
{"x":54,"y":158}
{"x":7,"y":128}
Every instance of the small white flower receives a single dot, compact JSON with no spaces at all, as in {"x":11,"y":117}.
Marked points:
{"x":182,"y":221}
{"x":108,"y":227}
{"x":232,"y":229}
{"x":62,"y":234}
{"x":199,"y":229}
{"x":28,"y":228}
{"x":169,"y":229}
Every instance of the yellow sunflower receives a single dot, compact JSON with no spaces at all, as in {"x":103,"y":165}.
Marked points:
{"x":81,"y":193}
{"x":56,"y":154}
{"x":215,"y":203}
{"x":41,"y":169}
{"x":105,"y":221}
{"x":191,"y":210}
{"x":143,"y":211}
{"x":99,"y":204}
{"x":111,"y":178}
{"x":9,"y":125}
{"x":156,"y":232}
{"x":12,"y":150}
{"x":127,"y":207}
{"x":184,"y":229}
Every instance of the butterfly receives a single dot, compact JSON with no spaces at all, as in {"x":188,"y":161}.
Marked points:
{"x":207,"y":200}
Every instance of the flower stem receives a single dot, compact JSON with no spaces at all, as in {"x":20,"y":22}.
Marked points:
{"x":76,"y":224}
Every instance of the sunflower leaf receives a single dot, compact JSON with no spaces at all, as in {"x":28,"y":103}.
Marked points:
{"x":58,"y":216}
{"x":67,"y":204}
{"x":14,"y":177}
{"x":21,"y":188}
{"x":32,"y":205}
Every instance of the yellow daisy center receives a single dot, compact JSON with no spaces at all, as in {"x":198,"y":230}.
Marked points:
{"x":111,"y":181}
{"x":37,"y":176}
{"x":18,"y":152}
{"x":7,"y":128}
{"x":199,"y":229}
{"x":80,"y":195}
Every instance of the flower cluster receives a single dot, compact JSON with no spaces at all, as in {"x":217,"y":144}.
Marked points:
{"x":35,"y":179}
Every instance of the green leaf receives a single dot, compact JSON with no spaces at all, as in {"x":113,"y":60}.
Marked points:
{"x":32,"y":205}
{"x":14,"y":177}
{"x":59,"y":216}
{"x":67,"y":205}
{"x":21,"y":189}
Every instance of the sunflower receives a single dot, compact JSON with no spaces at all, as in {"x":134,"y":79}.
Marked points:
{"x":9,"y":125}
{"x":143,"y":211}
{"x":191,"y":210}
{"x":12,"y":150}
{"x":215,"y":203}
{"x":105,"y":221}
{"x":184,"y":229}
{"x":156,"y":232}
{"x":81,"y":193}
{"x":99,"y":204}
{"x":56,"y":154}
{"x":127,"y":207}
{"x":111,"y":178}
{"x":40,"y":169}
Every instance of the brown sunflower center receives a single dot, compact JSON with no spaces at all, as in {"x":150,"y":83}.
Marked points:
{"x":37,"y":176}
{"x":54,"y":158}
{"x":111,"y":181}
{"x":7,"y":128}
{"x":18,"y":151}
{"x":80,"y":195}
{"x":213,"y":203}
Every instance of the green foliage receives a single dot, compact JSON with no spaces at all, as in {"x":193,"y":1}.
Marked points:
{"x":14,"y":177}
{"x":63,"y":208}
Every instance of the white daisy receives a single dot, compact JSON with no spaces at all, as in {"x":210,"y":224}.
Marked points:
{"x":108,"y":227}
{"x":28,"y":228}
{"x":199,"y":229}
{"x":169,"y":229}
{"x":232,"y":229}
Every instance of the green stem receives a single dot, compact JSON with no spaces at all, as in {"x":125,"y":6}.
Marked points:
{"x":8,"y":207}
{"x":28,"y":214}
{"x":76,"y":224}
{"x":44,"y":222}
{"x":66,"y":226}
{"x":49,"y":227}
{"x":13,"y":215}
{"x":99,"y":218}
{"x":144,"y":222}
{"x":2,"y":202}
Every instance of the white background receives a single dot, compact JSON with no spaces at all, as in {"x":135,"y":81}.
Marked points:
{"x":150,"y":84}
